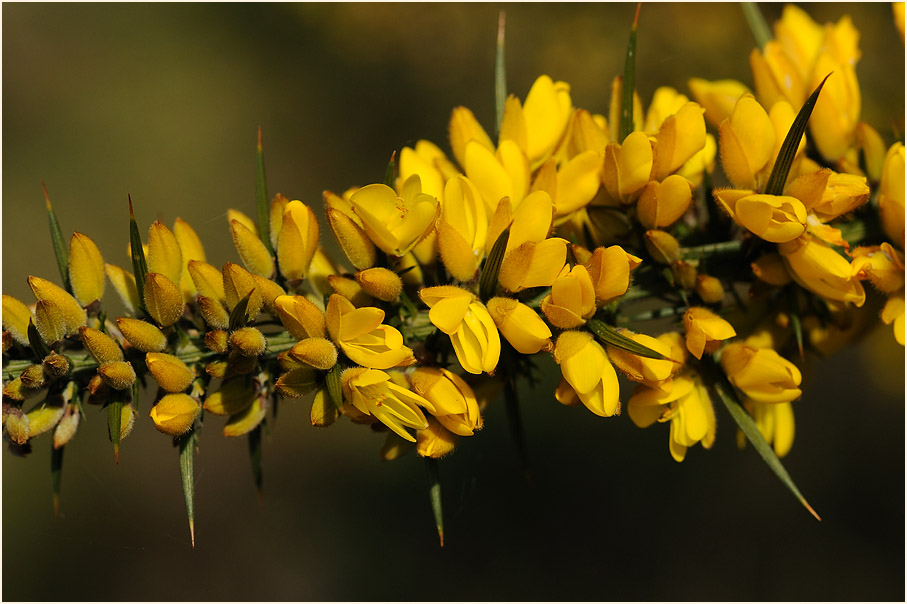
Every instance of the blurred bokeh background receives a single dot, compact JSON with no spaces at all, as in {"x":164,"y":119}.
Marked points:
{"x":162,"y":101}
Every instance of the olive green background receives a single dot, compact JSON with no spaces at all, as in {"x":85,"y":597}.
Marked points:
{"x":162,"y":102}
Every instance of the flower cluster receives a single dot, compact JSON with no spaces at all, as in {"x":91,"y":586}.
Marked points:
{"x":551,"y":242}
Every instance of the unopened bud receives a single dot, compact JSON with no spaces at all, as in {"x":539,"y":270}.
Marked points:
{"x":163,"y":299}
{"x":101,"y":346}
{"x":234,"y":396}
{"x":55,"y":366}
{"x":142,"y":335}
{"x":43,"y":418}
{"x":72,"y":313}
{"x":316,"y":352}
{"x":16,"y":426}
{"x":171,"y":373}
{"x":119,"y":375}
{"x":297,"y":382}
{"x":32,"y":377}
{"x":86,"y":269}
{"x":216,"y":340}
{"x":239,"y":283}
{"x":300,"y":317}
{"x":435,"y":441}
{"x":663,"y":248}
{"x":16,"y":318}
{"x":351,"y":290}
{"x":174,"y":414}
{"x":709,"y":289}
{"x":381,"y":283}
{"x":49,"y":321}
{"x":67,"y":426}
{"x":353,"y":240}
{"x":684,"y":274}
{"x":252,"y":251}
{"x":248,"y":341}
{"x":324,"y":412}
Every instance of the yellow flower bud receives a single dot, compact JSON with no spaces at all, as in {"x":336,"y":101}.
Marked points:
{"x":609,"y":268}
{"x":873,"y":147}
{"x":16,"y":390}
{"x":174,"y":414}
{"x":587,"y":370}
{"x":317,"y":352}
{"x":435,"y":441}
{"x":351,"y":290}
{"x":275,"y":218}
{"x":820,"y":269}
{"x":371,"y":392}
{"x":775,"y":218}
{"x":118,"y":375}
{"x":628,"y":167}
{"x":239,"y":283}
{"x":776,"y":76}
{"x":216,"y":340}
{"x":300,"y":317}
{"x":298,"y":240}
{"x":747,"y":141}
{"x":246,"y":421}
{"x":455,"y":405}
{"x":217,"y":369}
{"x":588,"y":133}
{"x":381,"y":283}
{"x":705,"y":331}
{"x":163,"y":299}
{"x":191,"y":249}
{"x":352,"y":239}
{"x":208,"y":280}
{"x":49,"y":321}
{"x":680,"y":136}
{"x":465,"y":128}
{"x":252,"y":251}
{"x":363,"y":338}
{"x":891,"y":194}
{"x":86,"y":269}
{"x":171,"y":373}
{"x":234,"y":396}
{"x":72,"y":314}
{"x":67,"y":426}
{"x":430,"y":163}
{"x":269,"y":291}
{"x":663,"y":203}
{"x":144,"y":336}
{"x":124,"y":283}
{"x":248,"y":341}
{"x":837,"y":110}
{"x":164,"y":254}
{"x":572,"y":298}
{"x":520,"y":325}
{"x":547,"y":111}
{"x":15,"y":425}
{"x":641,"y":369}
{"x":577,"y":182}
{"x":709,"y":289}
{"x":32,"y":377}
{"x":663,"y":248}
{"x":882,"y":265}
{"x":324,"y":412}
{"x":213,"y":312}
{"x":101,"y":346}
{"x":472,"y":332}
{"x":296,"y":383}
{"x":16,"y":318}
{"x":761,"y":373}
{"x":55,"y":366}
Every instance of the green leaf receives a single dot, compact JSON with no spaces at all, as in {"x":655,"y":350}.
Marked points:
{"x":628,"y":85}
{"x":434,"y":494}
{"x":788,"y":151}
{"x":759,"y":28}
{"x":114,"y":418}
{"x":390,"y":173}
{"x":187,"y":476}
{"x":500,"y":76}
{"x":261,"y":198}
{"x":608,"y":335}
{"x":56,"y":237}
{"x":488,"y":281}
{"x":255,"y":458}
{"x":238,"y":314}
{"x":725,"y":392}
{"x":56,"y":475}
{"x":139,"y":266}
{"x":334,"y":385}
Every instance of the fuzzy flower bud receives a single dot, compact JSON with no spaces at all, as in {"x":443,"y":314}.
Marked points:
{"x":71,"y":312}
{"x":118,"y":375}
{"x":101,"y":346}
{"x":171,"y":373}
{"x":252,"y":251}
{"x":300,"y":317}
{"x":298,"y":240}
{"x":16,"y":318}
{"x":174,"y":414}
{"x":248,"y":341}
{"x":381,"y":283}
{"x":320,"y":353}
{"x":520,"y":325}
{"x":163,"y":299}
{"x":144,"y":336}
{"x":86,"y":269}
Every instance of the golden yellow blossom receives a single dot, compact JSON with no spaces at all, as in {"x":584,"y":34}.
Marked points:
{"x":174,"y":414}
{"x":459,"y":314}
{"x":572,"y":298}
{"x":371,"y":392}
{"x":705,"y":331}
{"x":396,"y":223}
{"x":520,"y":325}
{"x":587,"y":372}
{"x":454,"y":402}
{"x":761,"y":374}
{"x":362,"y":337}
{"x":297,"y":241}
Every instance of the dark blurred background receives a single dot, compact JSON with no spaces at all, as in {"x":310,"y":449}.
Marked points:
{"x":162,"y":102}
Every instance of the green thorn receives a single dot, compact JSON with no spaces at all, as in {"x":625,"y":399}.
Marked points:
{"x":500,"y":76}
{"x":758,"y":27}
{"x":390,"y":173}
{"x":261,"y":198}
{"x":56,"y":237}
{"x":434,"y":494}
{"x":628,"y":84}
{"x":139,"y":266}
{"x":187,"y":477}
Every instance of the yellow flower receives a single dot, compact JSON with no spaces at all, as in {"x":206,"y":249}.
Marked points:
{"x":101,"y":346}
{"x":685,"y":404}
{"x":747,"y":141}
{"x":520,"y":325}
{"x":498,"y":173}
{"x":454,"y":402}
{"x":587,"y":372}
{"x":776,"y":76}
{"x":578,"y":180}
{"x":252,"y":250}
{"x":372,"y":393}
{"x":191,"y":249}
{"x":435,"y":441}
{"x":761,"y":374}
{"x":893,"y":314}
{"x":882,"y":265}
{"x":663,"y":203}
{"x":86,"y":269}
{"x":771,"y":269}
{"x":717,"y":97}
{"x":459,"y":314}
{"x":430,"y":163}
{"x":680,"y":136}
{"x":572,"y":298}
{"x":297,"y":241}
{"x":361,"y":336}
{"x":652,"y":372}
{"x":775,"y":422}
{"x":609,"y":268}
{"x":531,"y":260}
{"x":462,"y":228}
{"x":891,"y":194}
{"x":775,"y":218}
{"x":705,"y":331}
{"x":820,"y":269}
{"x":837,"y":111}
{"x":463,"y":129}
{"x":628,"y":167}
{"x":300,"y":317}
{"x":546,"y":112}
{"x":396,"y":223}
{"x":174,"y":414}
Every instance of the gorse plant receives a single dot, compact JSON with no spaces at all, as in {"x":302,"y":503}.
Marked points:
{"x":560,"y":238}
